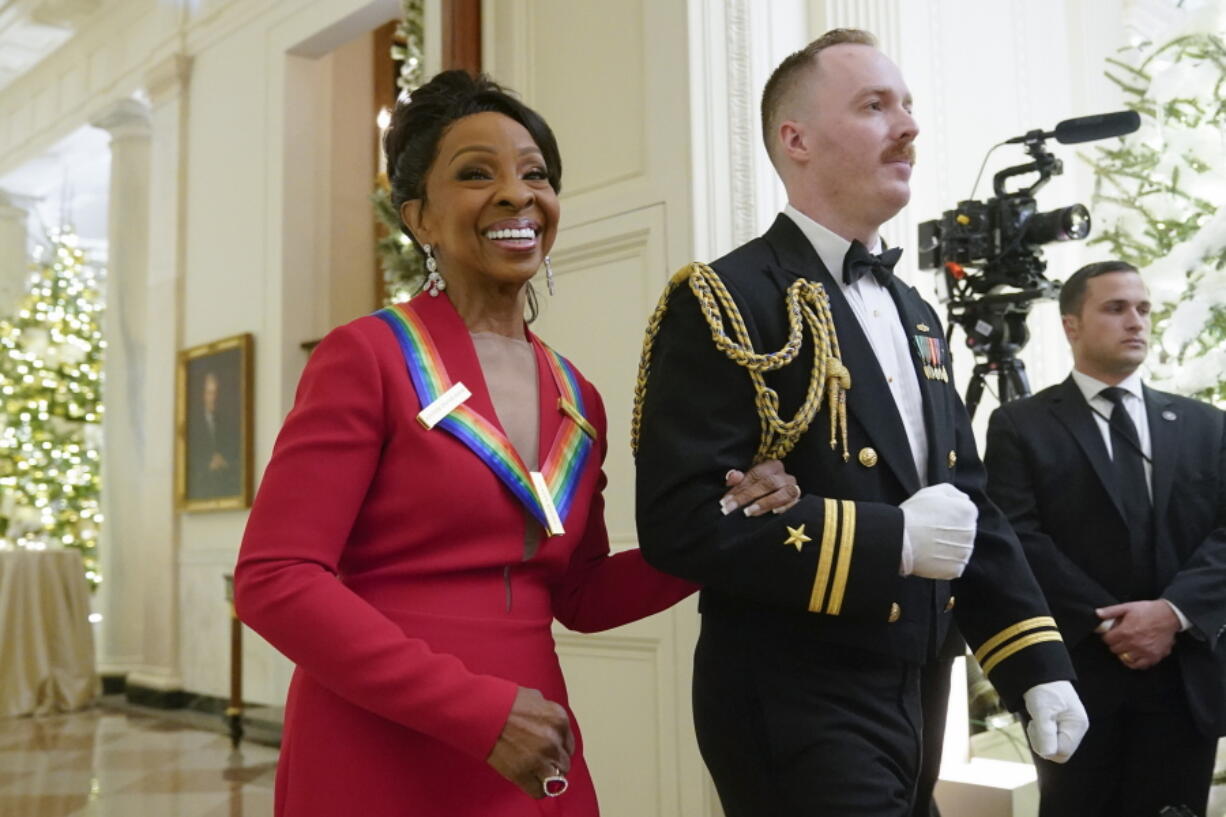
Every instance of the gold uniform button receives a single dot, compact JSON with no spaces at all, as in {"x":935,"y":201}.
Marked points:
{"x":949,"y":605}
{"x":895,"y":612}
{"x":952,"y":459}
{"x":868,"y":457}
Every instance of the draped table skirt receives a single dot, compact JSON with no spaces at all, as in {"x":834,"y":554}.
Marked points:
{"x":46,"y":644}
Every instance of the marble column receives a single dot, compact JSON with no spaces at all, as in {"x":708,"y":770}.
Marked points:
{"x":14,"y":258}
{"x":123,"y":538}
{"x":160,"y":672}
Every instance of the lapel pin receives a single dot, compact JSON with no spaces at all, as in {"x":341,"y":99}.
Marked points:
{"x":922,"y":327}
{"x":1169,"y":416}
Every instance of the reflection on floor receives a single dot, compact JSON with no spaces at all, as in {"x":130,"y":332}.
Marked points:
{"x":103,"y":763}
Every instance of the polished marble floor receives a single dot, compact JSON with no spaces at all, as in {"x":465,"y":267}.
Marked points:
{"x":104,"y":763}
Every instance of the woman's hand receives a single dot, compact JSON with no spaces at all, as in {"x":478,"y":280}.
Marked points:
{"x":536,"y":742}
{"x":767,"y":487}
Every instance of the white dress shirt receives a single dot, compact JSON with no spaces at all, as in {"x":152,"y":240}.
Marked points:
{"x":877,"y":315}
{"x":1134,"y":402}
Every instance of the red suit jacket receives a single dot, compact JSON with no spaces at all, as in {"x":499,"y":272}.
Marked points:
{"x":386,"y":561}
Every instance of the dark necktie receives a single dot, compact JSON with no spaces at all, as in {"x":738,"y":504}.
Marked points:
{"x":1133,"y":491}
{"x":859,"y":261}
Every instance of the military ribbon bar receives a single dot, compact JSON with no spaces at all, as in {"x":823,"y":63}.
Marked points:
{"x":932,"y":356}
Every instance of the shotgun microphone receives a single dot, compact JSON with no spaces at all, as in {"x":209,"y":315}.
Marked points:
{"x":1086,"y":128}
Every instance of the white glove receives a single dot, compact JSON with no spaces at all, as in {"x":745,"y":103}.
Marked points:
{"x":1058,"y":721}
{"x":938,"y":532}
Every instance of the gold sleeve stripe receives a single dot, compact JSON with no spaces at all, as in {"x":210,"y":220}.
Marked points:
{"x":846,"y":543}
{"x":1020,"y":644}
{"x":1010,"y":631}
{"x":826,"y":556}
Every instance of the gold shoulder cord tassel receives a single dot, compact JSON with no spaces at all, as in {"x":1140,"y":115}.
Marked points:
{"x":807,"y":306}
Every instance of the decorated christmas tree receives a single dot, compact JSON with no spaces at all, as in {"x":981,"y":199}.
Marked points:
{"x":51,"y":407}
{"x":1161,"y":194}
{"x":403,"y":266}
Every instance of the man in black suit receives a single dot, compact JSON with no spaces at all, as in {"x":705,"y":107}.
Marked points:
{"x":816,"y":622}
{"x":214,"y":444}
{"x":1118,"y":494}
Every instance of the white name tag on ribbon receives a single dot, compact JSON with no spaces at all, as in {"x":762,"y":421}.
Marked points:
{"x":446,"y":403}
{"x":546,"y":498}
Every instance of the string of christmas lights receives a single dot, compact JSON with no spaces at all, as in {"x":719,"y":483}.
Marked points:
{"x":51,"y":355}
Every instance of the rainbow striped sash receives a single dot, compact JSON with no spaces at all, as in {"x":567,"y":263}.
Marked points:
{"x":547,"y":494}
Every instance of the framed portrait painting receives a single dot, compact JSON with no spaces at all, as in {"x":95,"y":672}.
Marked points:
{"x":213,"y":425}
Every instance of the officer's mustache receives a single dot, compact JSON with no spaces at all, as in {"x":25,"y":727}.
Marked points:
{"x":905,"y":153}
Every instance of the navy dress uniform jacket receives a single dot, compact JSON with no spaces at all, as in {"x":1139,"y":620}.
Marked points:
{"x":842,"y":586}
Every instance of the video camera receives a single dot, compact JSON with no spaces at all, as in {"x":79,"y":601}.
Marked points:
{"x":987,"y":247}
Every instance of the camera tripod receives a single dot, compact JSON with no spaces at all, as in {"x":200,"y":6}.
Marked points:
{"x":1011,"y":381}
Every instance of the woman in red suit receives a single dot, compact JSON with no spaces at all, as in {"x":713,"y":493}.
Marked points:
{"x":433,"y":502}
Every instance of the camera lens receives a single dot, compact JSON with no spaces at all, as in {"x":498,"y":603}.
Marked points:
{"x":1066,"y":224}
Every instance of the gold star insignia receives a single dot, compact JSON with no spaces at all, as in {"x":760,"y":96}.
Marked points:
{"x":796,"y":537}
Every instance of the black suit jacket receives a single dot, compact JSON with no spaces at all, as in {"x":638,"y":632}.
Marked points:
{"x":699,"y":420}
{"x":1049,"y":470}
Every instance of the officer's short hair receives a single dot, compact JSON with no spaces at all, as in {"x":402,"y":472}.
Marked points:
{"x":785,"y":79}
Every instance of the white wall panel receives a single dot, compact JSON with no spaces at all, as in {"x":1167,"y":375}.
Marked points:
{"x":615,"y":684}
{"x":593,"y":88}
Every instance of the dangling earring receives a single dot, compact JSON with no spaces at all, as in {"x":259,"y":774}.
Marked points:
{"x":548,"y":275}
{"x":434,"y":281}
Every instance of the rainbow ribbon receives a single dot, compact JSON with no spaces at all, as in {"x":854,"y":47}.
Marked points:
{"x":548,"y":494}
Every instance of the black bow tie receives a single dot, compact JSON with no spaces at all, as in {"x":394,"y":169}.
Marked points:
{"x":859,"y":260}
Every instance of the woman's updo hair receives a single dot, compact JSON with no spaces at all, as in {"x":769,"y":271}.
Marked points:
{"x":411,"y":141}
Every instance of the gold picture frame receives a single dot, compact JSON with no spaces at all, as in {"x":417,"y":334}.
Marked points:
{"x":213,"y":425}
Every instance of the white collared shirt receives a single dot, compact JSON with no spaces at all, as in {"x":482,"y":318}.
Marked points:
{"x":878,"y":317}
{"x":1134,"y":402}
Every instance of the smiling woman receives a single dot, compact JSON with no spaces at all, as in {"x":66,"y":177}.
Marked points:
{"x":434,"y":502}
{"x":491,"y":214}
{"x":490,"y":163}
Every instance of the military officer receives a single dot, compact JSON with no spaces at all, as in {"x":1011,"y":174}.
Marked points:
{"x":802,"y":345}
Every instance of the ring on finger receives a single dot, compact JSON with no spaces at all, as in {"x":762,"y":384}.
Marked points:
{"x":555,"y":784}
{"x":1126,"y":657}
